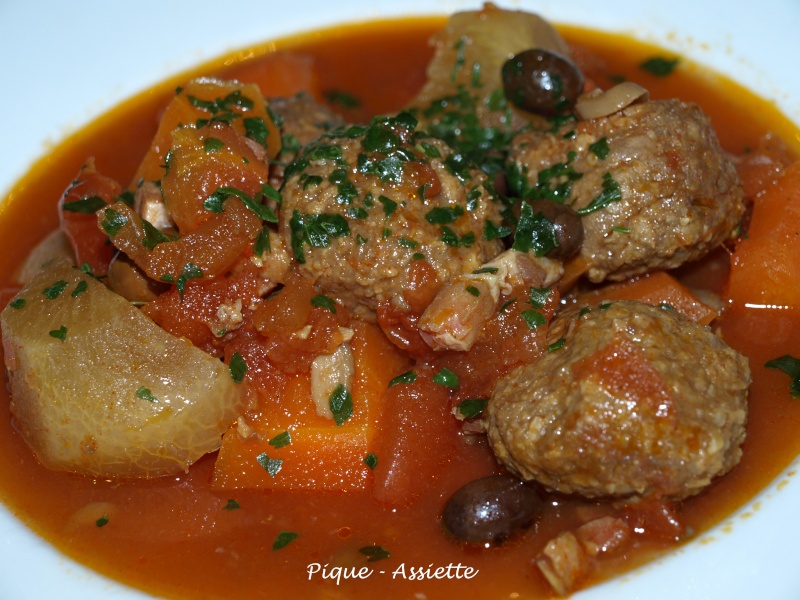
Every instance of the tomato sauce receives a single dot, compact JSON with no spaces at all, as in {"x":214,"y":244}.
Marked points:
{"x":179,"y":537}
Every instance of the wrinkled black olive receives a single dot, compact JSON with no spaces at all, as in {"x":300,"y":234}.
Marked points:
{"x":567,"y":224}
{"x":542,"y":82}
{"x":491,"y":509}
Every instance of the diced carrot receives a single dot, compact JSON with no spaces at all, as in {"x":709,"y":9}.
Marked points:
{"x":418,"y":441}
{"x":574,"y":268}
{"x":279,"y":74}
{"x":203,"y":100}
{"x":765,"y":268}
{"x":76,"y":211}
{"x":321,"y":455}
{"x":656,"y":289}
{"x":195,"y":172}
{"x":764,"y":165}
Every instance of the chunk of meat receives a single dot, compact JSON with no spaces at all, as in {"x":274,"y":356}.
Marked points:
{"x":652,"y":182}
{"x":572,"y":555}
{"x":563,"y":562}
{"x":362,"y":205}
{"x":455,"y":317}
{"x":639,"y":401}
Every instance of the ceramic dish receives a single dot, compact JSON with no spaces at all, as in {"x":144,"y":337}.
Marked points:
{"x":65,"y":63}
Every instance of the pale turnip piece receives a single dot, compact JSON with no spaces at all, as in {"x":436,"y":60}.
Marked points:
{"x":54,"y":245}
{"x":98,"y":388}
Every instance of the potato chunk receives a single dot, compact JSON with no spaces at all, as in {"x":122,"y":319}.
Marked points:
{"x":98,"y":388}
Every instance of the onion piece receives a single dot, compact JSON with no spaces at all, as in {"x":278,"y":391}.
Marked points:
{"x":598,"y":104}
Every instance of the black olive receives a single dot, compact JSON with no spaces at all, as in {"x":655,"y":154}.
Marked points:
{"x":491,"y":509}
{"x":567,"y":224}
{"x":542,"y":82}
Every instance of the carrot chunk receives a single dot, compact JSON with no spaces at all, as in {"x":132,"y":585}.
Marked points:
{"x":287,"y":445}
{"x":89,"y":191}
{"x":655,"y":288}
{"x":280,"y":74}
{"x":765,"y":268}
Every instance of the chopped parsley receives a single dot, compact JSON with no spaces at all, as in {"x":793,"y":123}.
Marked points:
{"x":81,"y":288}
{"x":212,"y":145}
{"x":791,"y":366}
{"x":343,"y":99}
{"x":18,"y":303}
{"x":60,"y":333}
{"x":374,"y":553}
{"x":600,"y":148}
{"x":407,"y":377}
{"x":535,"y":233}
{"x":443,"y":215}
{"x":538,"y":296}
{"x":493,"y":232}
{"x":190,"y":271}
{"x":533,"y":318}
{"x":270,"y":465}
{"x":659,"y":66}
{"x":144,"y":393}
{"x":231,"y":505}
{"x":84,"y":206}
{"x":256,"y":129}
{"x":102,"y":521}
{"x":262,"y":211}
{"x":282,"y":439}
{"x":446,"y":378}
{"x":114,"y":221}
{"x":472,"y":407}
{"x":611,"y":193}
{"x":316,"y":230}
{"x":284,"y":539}
{"x":389,"y":205}
{"x":506,"y":305}
{"x":341,"y":404}
{"x":237,"y":367}
{"x":153,"y":236}
{"x":371,"y":461}
{"x":54,"y":291}
{"x":471,"y":289}
{"x":557,"y":345}
{"x":323,"y":301}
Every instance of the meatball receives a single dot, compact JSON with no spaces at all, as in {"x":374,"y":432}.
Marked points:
{"x":301,"y":121}
{"x":363,"y":204}
{"x":638,"y":401}
{"x":651,"y":181}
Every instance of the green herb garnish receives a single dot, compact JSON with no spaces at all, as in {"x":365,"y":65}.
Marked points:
{"x":341,"y":404}
{"x":791,"y":366}
{"x":237,"y":367}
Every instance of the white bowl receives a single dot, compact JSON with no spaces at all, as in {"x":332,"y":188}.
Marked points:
{"x":65,"y":63}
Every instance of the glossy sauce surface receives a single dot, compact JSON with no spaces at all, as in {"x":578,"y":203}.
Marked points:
{"x":174,"y":536}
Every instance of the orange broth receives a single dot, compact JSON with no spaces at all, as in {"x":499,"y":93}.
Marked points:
{"x":174,"y":537}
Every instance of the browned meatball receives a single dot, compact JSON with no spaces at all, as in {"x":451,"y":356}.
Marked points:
{"x":664,"y":189}
{"x":301,"y":120}
{"x":639,"y":401}
{"x":361,"y":205}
